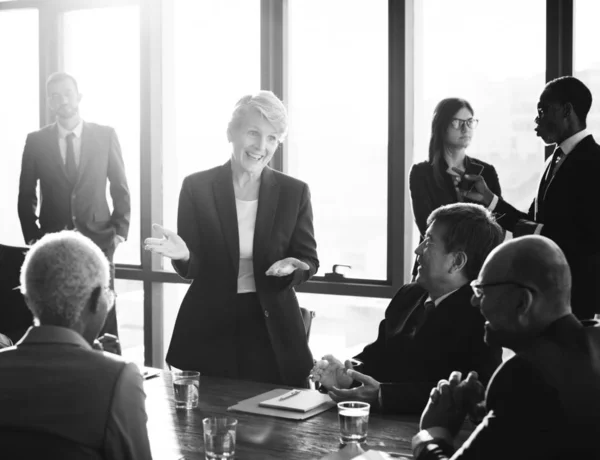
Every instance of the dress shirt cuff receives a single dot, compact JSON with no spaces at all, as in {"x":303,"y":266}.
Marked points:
{"x":425,"y":436}
{"x":538,"y":229}
{"x":493,"y":204}
{"x":120,"y":238}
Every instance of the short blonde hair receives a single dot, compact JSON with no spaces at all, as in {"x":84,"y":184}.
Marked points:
{"x":59,"y":274}
{"x":268,"y":105}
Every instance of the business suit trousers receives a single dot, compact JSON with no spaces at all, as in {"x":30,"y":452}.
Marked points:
{"x":254,"y":351}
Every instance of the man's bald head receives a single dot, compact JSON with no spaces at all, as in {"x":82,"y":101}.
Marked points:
{"x":534,"y":261}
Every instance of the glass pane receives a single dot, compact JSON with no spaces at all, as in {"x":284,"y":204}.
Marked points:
{"x":214,"y":58}
{"x":458,"y":53}
{"x":107,"y":69}
{"x":343,"y":325}
{"x":338,"y":137}
{"x":586,"y":63}
{"x":19,"y":111}
{"x":130,"y":318}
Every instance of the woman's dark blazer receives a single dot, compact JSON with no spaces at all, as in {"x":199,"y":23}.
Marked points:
{"x":426,"y":196}
{"x":204,"y":334}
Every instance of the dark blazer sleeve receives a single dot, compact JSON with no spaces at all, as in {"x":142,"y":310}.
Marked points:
{"x":27,"y":201}
{"x":493,"y":182}
{"x":186,"y":229}
{"x":524,"y":421}
{"x":303,"y":245}
{"x":421,"y":199}
{"x":119,"y":190}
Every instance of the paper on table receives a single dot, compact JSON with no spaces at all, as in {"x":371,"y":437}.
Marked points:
{"x":299,"y":401}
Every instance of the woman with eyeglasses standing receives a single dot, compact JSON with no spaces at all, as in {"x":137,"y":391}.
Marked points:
{"x":433,"y":182}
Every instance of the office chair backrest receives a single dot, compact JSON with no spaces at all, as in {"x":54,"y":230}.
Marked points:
{"x":307,"y":317}
{"x":15,"y":317}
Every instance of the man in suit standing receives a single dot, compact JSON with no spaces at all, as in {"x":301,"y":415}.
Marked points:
{"x":430,"y":327}
{"x":56,"y":392}
{"x":72,"y":160}
{"x":544,"y":402}
{"x":567,"y":195}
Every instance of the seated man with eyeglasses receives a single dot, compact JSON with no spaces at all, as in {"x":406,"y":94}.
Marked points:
{"x":59,"y":398}
{"x":544,"y":402}
{"x":430,"y":327}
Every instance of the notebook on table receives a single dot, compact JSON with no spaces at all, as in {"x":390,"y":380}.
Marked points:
{"x":300,"y":406}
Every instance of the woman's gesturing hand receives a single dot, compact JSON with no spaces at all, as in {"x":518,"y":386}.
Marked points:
{"x":170,"y":244}
{"x":286,"y":266}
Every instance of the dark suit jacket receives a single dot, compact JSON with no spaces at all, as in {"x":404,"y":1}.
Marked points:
{"x":82,"y":205}
{"x":203,"y":335}
{"x":544,"y":403}
{"x":426,"y":196}
{"x":54,"y":386}
{"x":568,"y":211}
{"x":450,"y":339}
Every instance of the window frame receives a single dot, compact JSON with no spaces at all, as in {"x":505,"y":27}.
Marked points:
{"x":156,"y":29}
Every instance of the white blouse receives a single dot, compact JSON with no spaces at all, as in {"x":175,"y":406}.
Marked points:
{"x":246,"y":216}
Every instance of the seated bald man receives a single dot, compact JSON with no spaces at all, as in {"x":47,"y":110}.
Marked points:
{"x":543,"y":403}
{"x":59,"y":398}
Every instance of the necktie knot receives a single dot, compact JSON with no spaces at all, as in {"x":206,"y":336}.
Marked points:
{"x":429,"y":305}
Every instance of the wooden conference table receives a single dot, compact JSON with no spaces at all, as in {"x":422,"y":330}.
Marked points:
{"x":177,"y":434}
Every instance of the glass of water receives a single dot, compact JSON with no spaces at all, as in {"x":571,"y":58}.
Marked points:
{"x":354,"y":421}
{"x":219,"y":437}
{"x":186,"y":386}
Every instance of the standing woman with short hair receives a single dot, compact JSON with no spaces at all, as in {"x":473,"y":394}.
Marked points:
{"x":431,"y":182}
{"x":245,"y":238}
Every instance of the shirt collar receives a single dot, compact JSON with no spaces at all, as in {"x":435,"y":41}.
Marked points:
{"x":54,"y":335}
{"x":440,"y":298}
{"x":570,"y":143}
{"x":63,"y":133}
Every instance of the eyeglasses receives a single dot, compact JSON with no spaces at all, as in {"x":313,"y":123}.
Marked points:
{"x":471,"y":123}
{"x":478,"y":287}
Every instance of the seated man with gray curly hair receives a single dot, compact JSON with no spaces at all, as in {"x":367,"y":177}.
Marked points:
{"x":59,"y":397}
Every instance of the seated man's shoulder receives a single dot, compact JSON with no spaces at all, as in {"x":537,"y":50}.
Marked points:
{"x":407,"y":294}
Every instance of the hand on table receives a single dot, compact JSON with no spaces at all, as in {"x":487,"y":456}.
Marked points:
{"x":286,"y":266}
{"x":109,"y":343}
{"x":169,"y":244}
{"x":367,"y":392}
{"x":330,"y":372}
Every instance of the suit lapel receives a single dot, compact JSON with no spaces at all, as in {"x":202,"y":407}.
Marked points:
{"x":225,"y":205}
{"x":87,"y":145}
{"x":54,"y":150}
{"x":399,"y":327}
{"x":542,"y":187}
{"x":268,"y":197}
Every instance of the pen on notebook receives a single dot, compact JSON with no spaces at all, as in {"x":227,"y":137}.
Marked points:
{"x":289,"y":395}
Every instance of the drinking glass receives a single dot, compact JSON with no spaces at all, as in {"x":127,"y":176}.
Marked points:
{"x":186,"y":386}
{"x":354,"y":421}
{"x":219,"y":437}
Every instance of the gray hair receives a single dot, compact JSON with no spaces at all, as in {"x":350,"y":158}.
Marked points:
{"x":59,"y":274}
{"x":268,"y":105}
{"x":57,"y":77}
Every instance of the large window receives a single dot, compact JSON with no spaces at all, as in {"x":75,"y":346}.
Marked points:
{"x":19,"y":110}
{"x":495,"y":59}
{"x":215,"y":59}
{"x":586,"y":65}
{"x":102,"y":51}
{"x":338,"y":139}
